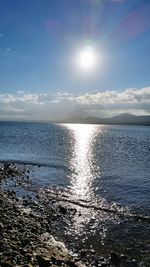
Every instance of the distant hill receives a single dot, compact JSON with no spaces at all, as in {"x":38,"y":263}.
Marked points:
{"x":122,"y":119}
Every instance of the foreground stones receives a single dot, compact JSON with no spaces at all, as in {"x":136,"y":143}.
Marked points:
{"x":24,"y":240}
{"x":26,"y":232}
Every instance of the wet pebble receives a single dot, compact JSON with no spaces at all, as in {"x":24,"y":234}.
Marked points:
{"x":115,"y":259}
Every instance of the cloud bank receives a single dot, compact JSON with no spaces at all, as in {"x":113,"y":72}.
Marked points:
{"x":24,"y":105}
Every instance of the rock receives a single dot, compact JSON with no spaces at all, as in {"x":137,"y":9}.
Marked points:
{"x":62,"y":210}
{"x":1,"y":226}
{"x":105,"y":264}
{"x":43,"y":261}
{"x":92,"y":251}
{"x":73,"y":210}
{"x":53,"y":260}
{"x":132,"y":263}
{"x":83,"y":252}
{"x":79,"y":264}
{"x":97,"y":263}
{"x":59,"y":262}
{"x":123,"y":257}
{"x":115,"y":258}
{"x":6,"y":166}
{"x":7,"y":264}
{"x":29,"y":256}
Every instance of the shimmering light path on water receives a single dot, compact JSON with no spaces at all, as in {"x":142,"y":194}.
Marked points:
{"x":81,"y":161}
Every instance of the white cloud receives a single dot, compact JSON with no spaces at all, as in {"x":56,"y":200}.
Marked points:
{"x":23,"y":97}
{"x":21,"y":92}
{"x":42,"y":106}
{"x":113,"y":97}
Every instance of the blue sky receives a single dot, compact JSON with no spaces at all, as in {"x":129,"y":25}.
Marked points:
{"x":38,"y":39}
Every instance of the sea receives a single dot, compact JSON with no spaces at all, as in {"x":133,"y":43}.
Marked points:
{"x":104,"y":170}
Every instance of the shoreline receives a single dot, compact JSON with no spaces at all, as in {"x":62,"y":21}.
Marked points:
{"x":30,"y":231}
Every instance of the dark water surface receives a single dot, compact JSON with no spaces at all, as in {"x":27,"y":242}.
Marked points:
{"x":96,"y":165}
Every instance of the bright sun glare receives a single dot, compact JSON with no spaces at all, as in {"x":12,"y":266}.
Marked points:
{"x":87,"y":59}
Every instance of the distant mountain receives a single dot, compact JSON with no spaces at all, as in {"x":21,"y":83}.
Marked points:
{"x":122,"y":119}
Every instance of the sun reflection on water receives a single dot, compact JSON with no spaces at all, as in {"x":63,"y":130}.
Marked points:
{"x":81,"y":162}
{"x":83,"y":166}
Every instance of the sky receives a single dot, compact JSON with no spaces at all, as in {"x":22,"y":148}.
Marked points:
{"x":39,"y":43}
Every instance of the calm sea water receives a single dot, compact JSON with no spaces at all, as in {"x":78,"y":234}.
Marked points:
{"x":94,"y":164}
{"x":112,"y":162}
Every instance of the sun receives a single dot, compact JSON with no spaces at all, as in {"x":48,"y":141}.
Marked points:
{"x":87,"y":59}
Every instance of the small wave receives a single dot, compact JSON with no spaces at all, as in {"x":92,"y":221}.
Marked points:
{"x":114,"y":209}
{"x":35,"y":164}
